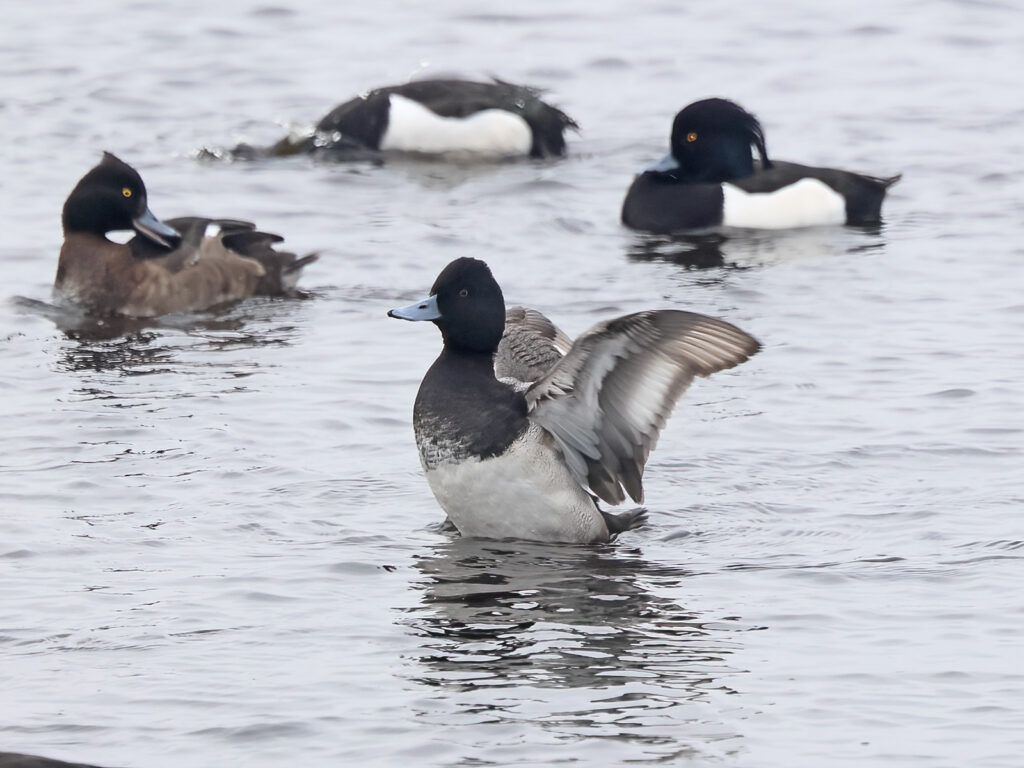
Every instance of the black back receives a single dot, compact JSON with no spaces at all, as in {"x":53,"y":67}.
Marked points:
{"x":863,"y":194}
{"x":364,"y":119}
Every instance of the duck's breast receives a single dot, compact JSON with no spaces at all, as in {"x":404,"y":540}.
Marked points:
{"x":655,"y":203}
{"x":94,"y":273}
{"x":526,"y":492}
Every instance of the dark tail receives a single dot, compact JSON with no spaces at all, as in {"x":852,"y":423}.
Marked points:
{"x":298,"y":264}
{"x":547,"y":123}
{"x":624,"y":521}
{"x":282,"y":268}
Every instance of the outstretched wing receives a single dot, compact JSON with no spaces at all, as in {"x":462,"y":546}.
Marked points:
{"x":530,"y":346}
{"x":607,"y":400}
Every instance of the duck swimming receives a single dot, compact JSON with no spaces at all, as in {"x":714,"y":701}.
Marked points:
{"x":710,"y":179}
{"x":436,"y":117}
{"x":514,"y":422}
{"x":181,"y":265}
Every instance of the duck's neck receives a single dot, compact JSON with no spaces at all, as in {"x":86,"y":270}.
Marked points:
{"x":463,"y":376}
{"x":470,"y":362}
{"x":463,"y":373}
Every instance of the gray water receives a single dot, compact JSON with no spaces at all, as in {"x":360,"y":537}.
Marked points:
{"x":216,"y":545}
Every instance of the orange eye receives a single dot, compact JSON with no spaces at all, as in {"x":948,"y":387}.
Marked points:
{"x":126,"y":192}
{"x":691,"y":137}
{"x":463,"y":293}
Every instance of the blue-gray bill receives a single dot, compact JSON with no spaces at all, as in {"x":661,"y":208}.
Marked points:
{"x":667,"y":163}
{"x":149,"y":226}
{"x":421,"y":310}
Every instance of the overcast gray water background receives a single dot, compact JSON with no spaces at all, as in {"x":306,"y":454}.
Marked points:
{"x":216,"y":545}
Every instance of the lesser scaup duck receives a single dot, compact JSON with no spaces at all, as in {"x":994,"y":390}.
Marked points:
{"x":709,"y":178}
{"x":507,"y":458}
{"x":181,"y":265}
{"x":439,"y":117}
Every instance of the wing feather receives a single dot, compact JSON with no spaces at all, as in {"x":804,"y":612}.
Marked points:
{"x":530,"y":346}
{"x":606,"y":401}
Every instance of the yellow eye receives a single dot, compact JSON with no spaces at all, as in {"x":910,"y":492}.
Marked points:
{"x":126,"y":192}
{"x":463,"y":293}
{"x":691,"y":137}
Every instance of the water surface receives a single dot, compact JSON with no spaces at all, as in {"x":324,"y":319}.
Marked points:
{"x":217,"y":547}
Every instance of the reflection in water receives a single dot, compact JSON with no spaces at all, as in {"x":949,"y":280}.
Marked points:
{"x":428,"y":171}
{"x":137,"y":353}
{"x":586,"y":639}
{"x":742,"y":249}
{"x":138,"y":346}
{"x":691,"y":251}
{"x":579,"y":613}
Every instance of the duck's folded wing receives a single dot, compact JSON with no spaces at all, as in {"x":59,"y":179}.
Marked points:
{"x":193,"y":230}
{"x":606,"y":401}
{"x":530,"y":346}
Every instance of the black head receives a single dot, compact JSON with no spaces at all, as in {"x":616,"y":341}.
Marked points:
{"x":112,"y":197}
{"x":711,"y":141}
{"x":467,"y":305}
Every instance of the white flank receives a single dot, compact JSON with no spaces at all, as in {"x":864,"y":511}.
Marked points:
{"x":807,"y":203}
{"x":526,"y":493}
{"x":414,"y":128}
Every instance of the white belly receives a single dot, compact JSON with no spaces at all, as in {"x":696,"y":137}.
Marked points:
{"x":807,"y":203}
{"x":526,"y":493}
{"x":414,"y":128}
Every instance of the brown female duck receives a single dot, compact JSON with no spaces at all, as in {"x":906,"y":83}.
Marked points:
{"x":181,"y":265}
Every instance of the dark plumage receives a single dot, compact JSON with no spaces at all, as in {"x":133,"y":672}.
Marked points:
{"x":362,"y":123}
{"x":172,"y":266}
{"x":701,"y":182}
{"x":512,"y":458}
